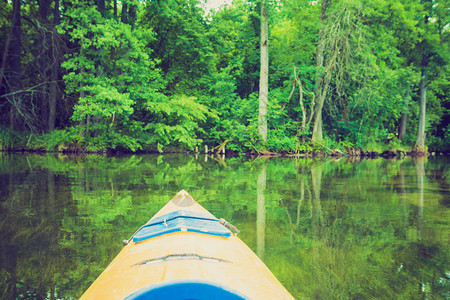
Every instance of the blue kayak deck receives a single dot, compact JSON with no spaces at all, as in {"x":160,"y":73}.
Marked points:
{"x":181,"y":220}
{"x":191,"y":289}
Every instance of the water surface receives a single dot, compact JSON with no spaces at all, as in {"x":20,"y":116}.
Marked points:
{"x":328,"y":229}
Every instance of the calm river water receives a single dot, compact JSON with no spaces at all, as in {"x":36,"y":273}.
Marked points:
{"x":328,"y":229}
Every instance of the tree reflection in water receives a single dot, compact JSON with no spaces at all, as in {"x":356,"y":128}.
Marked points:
{"x":261,"y":213}
{"x":327,"y":229}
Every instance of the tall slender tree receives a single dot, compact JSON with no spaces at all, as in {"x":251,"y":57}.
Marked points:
{"x":431,"y":59}
{"x":54,"y":72}
{"x":317,"y":130}
{"x":420,"y":138}
{"x":15,"y":78}
{"x":264,"y":73}
{"x":419,"y":145}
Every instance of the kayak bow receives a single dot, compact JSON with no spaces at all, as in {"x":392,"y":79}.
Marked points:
{"x":184,"y":252}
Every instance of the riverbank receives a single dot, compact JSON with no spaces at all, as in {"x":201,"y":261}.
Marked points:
{"x":347,"y":152}
{"x":58,"y":142}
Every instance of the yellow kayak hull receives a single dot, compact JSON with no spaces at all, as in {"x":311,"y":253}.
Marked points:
{"x":183,"y":257}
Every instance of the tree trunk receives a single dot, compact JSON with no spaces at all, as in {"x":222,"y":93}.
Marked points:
{"x":317,"y":129}
{"x":124,"y":15}
{"x":16,"y":46}
{"x":420,"y":139}
{"x":52,"y":98}
{"x":15,"y":82}
{"x":419,"y":145}
{"x":54,"y":73}
{"x":83,"y":127}
{"x":404,"y":117}
{"x":44,"y":6}
{"x":264,"y":74}
{"x":5,"y":57}
{"x":132,"y":16}
{"x":101,"y":6}
{"x":402,"y":126}
{"x":44,"y":60}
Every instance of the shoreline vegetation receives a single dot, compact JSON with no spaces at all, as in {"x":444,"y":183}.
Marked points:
{"x":16,"y":142}
{"x":220,"y":150}
{"x":394,"y":153}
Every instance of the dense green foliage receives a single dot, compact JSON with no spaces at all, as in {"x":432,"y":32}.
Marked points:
{"x":169,"y":75}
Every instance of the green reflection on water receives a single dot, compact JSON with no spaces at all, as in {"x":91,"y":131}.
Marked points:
{"x":327,"y":229}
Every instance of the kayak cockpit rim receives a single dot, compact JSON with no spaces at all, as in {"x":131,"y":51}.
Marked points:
{"x":187,"y":289}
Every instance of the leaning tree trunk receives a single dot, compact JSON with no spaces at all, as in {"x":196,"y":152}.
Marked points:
{"x":317,"y":129}
{"x":264,"y":73}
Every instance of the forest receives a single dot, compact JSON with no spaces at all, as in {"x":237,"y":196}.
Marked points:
{"x":287,"y":76}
